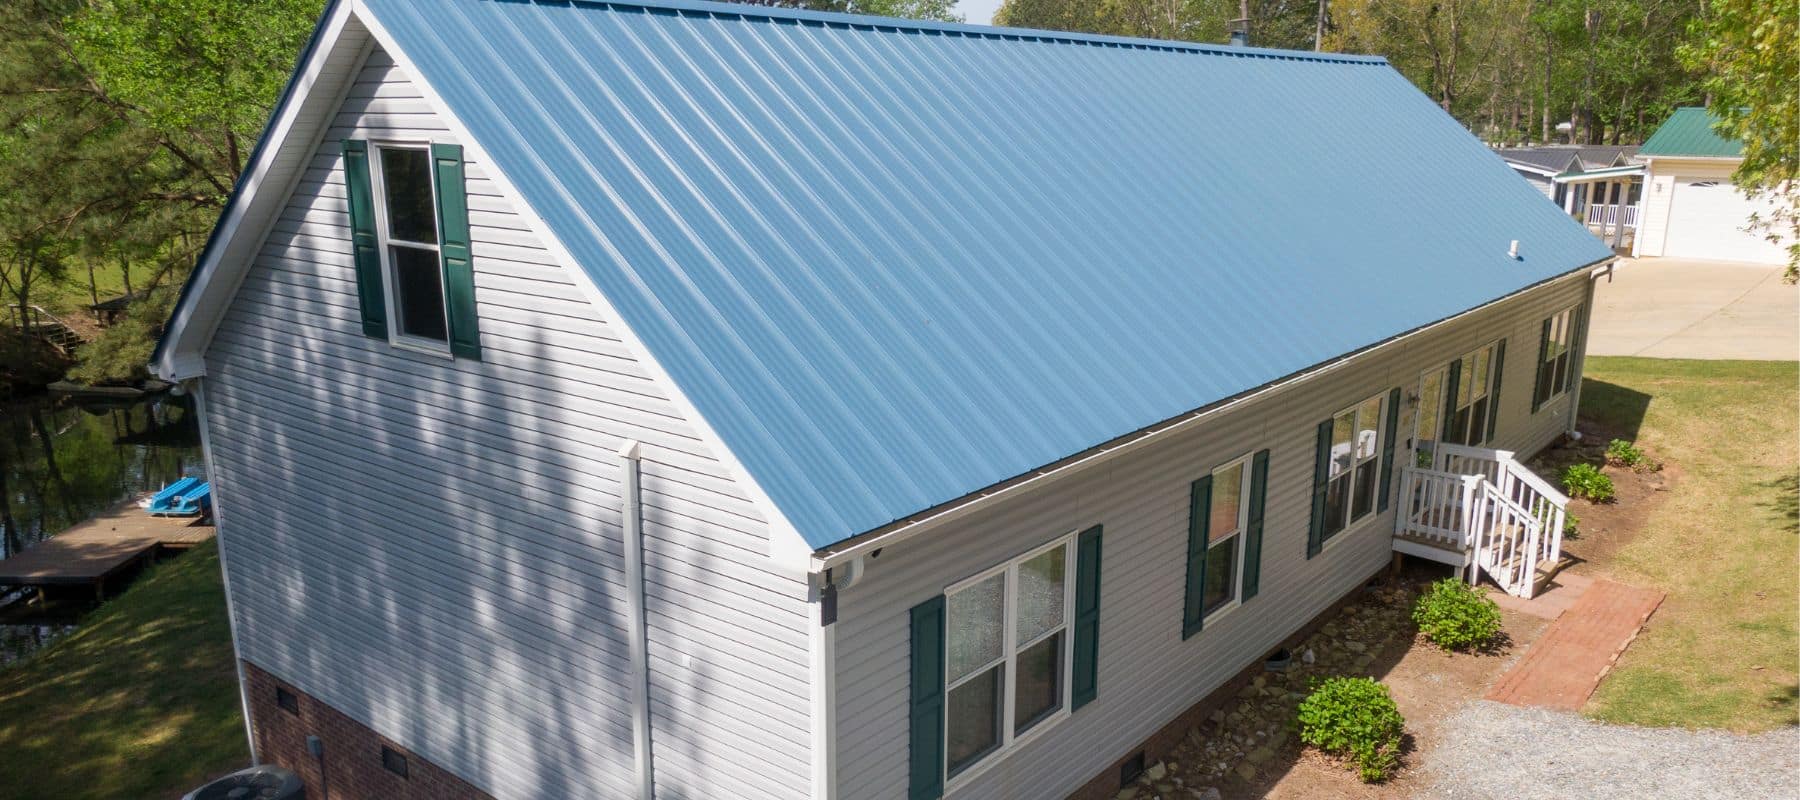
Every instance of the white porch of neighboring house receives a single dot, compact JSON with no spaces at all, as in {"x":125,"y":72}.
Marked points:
{"x":1608,"y":201}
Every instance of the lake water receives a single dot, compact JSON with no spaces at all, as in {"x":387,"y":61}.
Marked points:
{"x":62,"y":462}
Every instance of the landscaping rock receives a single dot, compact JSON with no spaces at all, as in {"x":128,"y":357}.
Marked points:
{"x":1156,"y":771}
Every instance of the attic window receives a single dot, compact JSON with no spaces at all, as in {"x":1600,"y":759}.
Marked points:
{"x":408,"y":224}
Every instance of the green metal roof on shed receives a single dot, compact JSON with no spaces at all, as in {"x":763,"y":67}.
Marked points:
{"x":1689,"y":132}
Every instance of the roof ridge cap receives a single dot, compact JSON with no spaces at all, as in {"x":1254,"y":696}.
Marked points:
{"x":969,"y":29}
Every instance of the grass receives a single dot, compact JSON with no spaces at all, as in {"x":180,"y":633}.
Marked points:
{"x":70,"y":294}
{"x":1721,"y":652}
{"x":141,"y":701}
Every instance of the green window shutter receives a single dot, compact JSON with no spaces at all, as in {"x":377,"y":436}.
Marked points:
{"x":453,"y":250}
{"x":1494,"y":390}
{"x":1085,"y":678}
{"x":1193,"y":609}
{"x":1321,"y":478}
{"x":927,"y":717}
{"x":1543,"y":371}
{"x":1387,"y":448}
{"x":1451,"y":387}
{"x":1259,"y":485}
{"x":365,"y":247}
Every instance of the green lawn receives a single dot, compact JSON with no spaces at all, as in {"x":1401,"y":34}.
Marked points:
{"x":140,"y":702}
{"x":1721,"y":652}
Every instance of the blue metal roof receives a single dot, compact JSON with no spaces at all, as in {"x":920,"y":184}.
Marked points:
{"x":893,"y":263}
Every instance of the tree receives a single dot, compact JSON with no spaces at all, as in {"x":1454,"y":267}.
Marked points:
{"x":126,"y":124}
{"x":940,"y":10}
{"x":1749,"y":51}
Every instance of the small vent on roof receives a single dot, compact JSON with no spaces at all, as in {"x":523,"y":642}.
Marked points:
{"x":1513,"y":252}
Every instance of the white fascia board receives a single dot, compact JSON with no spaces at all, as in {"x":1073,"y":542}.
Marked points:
{"x":787,"y":549}
{"x":226,"y":260}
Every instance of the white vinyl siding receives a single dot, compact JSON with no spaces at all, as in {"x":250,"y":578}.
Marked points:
{"x":433,"y":547}
{"x":1147,"y":673}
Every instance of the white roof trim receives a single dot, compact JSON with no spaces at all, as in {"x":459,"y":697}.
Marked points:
{"x":786,"y":547}
{"x":227,"y":258}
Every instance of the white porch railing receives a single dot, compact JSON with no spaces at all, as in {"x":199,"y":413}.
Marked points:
{"x":1608,"y":215}
{"x":1483,"y":503}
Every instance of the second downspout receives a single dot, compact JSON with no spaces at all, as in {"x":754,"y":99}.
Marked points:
{"x":632,"y":527}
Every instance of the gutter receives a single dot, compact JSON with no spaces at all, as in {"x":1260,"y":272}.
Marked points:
{"x":936,"y":516}
{"x":632,"y":526}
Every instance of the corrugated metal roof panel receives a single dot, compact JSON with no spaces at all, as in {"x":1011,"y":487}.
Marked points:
{"x":1689,"y":132}
{"x":893,"y":263}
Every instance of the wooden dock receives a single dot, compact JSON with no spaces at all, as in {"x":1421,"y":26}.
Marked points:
{"x":96,"y":550}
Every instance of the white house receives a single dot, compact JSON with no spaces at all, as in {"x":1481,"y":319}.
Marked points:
{"x":667,"y":399}
{"x":1691,"y":209}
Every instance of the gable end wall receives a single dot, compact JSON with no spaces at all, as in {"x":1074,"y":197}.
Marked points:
{"x":432,"y":547}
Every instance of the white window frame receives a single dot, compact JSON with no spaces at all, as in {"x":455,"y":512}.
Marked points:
{"x":385,"y":244}
{"x":1009,"y":739}
{"x":1451,"y":405}
{"x":1241,"y":463}
{"x":1562,"y":332}
{"x":1351,"y":522}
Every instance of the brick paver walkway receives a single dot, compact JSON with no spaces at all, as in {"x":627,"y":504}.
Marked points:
{"x":1565,"y":664}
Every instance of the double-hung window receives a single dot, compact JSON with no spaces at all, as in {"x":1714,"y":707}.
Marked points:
{"x":408,"y":226}
{"x":409,"y":241}
{"x":1354,"y":467}
{"x":1225,"y":544}
{"x":1007,"y":665}
{"x":1468,"y":423}
{"x":1555,"y":356}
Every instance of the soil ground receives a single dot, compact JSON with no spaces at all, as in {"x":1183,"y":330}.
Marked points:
{"x":1248,"y":749}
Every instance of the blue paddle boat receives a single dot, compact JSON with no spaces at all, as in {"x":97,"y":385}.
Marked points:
{"x":186,"y":503}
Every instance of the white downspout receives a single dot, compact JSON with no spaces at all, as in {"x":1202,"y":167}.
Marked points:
{"x":1580,"y":367}
{"x":631,"y":523}
{"x":212,"y":476}
{"x":825,"y":588}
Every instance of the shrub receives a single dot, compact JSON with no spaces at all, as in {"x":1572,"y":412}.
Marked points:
{"x":1571,"y":526}
{"x":1623,"y":453}
{"x":1354,"y":717}
{"x":1626,"y":454}
{"x":1584,"y":480}
{"x":1456,"y":617}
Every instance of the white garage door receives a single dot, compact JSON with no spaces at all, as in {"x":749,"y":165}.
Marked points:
{"x":1706,"y":220}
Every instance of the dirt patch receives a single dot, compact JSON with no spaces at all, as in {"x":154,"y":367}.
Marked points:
{"x":1248,"y":749}
{"x":1603,"y":528}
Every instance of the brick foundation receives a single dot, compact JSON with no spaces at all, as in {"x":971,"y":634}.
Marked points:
{"x":352,"y":766}
{"x":1164,"y":740}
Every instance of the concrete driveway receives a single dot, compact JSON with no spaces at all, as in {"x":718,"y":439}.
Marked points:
{"x":1682,"y":308}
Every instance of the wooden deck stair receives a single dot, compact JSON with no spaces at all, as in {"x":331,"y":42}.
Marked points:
{"x":48,"y":328}
{"x":1481,"y":510}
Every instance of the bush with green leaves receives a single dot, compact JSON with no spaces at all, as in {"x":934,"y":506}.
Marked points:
{"x":1626,"y":454}
{"x":1355,"y":718}
{"x":1454,"y":616}
{"x":1586,"y":481}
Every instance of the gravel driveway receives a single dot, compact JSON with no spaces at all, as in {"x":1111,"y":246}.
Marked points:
{"x":1491,"y":750}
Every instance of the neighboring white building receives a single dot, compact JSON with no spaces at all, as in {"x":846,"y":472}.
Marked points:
{"x":1691,"y":209}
